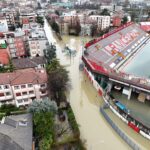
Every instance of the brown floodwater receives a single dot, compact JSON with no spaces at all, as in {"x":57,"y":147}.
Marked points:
{"x":85,"y":102}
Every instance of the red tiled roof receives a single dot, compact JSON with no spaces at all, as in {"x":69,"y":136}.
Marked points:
{"x":4,"y":57}
{"x":24,"y":76}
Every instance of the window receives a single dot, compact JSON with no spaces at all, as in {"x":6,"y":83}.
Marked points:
{"x":8,"y":93}
{"x":18,"y":94}
{"x":31,"y":92}
{"x":25,"y":100}
{"x":23,"y":86}
{"x":1,"y":94}
{"x":42,"y":85}
{"x":43,"y":92}
{"x":30,"y":85}
{"x":16,"y":87}
{"x":24,"y":93}
{"x":19,"y":101}
{"x":6,"y":87}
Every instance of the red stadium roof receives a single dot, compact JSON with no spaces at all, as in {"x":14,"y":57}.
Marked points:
{"x":112,"y":49}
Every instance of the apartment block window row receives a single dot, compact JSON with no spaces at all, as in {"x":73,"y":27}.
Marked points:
{"x":16,"y":87}
{"x":4,"y":87}
{"x":24,"y":93}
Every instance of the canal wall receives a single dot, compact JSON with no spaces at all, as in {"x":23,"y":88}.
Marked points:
{"x":101,"y":93}
{"x":119,"y":131}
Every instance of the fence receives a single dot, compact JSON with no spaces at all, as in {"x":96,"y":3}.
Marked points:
{"x":119,"y":132}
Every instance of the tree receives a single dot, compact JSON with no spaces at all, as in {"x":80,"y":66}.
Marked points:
{"x":40,"y":20}
{"x":11,"y":66}
{"x":93,"y":30}
{"x":55,"y":27}
{"x":57,"y":81}
{"x":78,"y":28}
{"x":133,"y":16}
{"x":105,"y":12}
{"x":46,"y":105}
{"x":43,"y":119}
{"x":39,"y":6}
{"x":50,"y":53}
{"x":124,"y":20}
{"x":53,"y":65}
{"x":57,"y":12}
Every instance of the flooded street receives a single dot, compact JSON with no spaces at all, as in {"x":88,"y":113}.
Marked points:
{"x":85,"y":102}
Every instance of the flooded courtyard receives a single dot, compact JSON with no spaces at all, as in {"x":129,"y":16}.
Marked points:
{"x":85,"y":102}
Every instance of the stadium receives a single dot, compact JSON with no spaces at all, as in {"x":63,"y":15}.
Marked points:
{"x":118,"y":62}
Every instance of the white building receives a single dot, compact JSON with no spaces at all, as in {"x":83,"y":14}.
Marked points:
{"x":37,"y":42}
{"x":111,"y":7}
{"x":3,"y":25}
{"x":103,"y":22}
{"x":23,"y":86}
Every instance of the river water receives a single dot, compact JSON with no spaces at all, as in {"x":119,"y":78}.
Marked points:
{"x":85,"y":102}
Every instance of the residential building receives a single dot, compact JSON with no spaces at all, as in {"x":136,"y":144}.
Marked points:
{"x":10,"y":19}
{"x":16,"y":132}
{"x":111,"y":7}
{"x":116,"y":21}
{"x":37,"y":42}
{"x":63,"y":26}
{"x":16,"y":43}
{"x":103,"y":22}
{"x":23,"y":86}
{"x":31,"y":17}
{"x":3,"y":25}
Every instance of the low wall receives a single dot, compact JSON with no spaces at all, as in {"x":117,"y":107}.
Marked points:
{"x":119,"y":132}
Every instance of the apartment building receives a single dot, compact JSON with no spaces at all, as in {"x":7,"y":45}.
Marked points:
{"x":37,"y":42}
{"x":10,"y":19}
{"x":31,"y":17}
{"x":16,"y":43}
{"x":103,"y":22}
{"x":23,"y":86}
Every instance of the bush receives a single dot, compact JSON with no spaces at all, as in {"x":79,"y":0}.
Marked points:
{"x":8,"y":108}
{"x":46,"y":143}
{"x":73,"y":123}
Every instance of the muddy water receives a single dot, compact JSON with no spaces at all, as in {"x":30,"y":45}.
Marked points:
{"x":95,"y":131}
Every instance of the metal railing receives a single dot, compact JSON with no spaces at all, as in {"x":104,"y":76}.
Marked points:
{"x":132,"y":144}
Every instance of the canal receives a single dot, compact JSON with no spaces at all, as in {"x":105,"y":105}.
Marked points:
{"x":85,"y":102}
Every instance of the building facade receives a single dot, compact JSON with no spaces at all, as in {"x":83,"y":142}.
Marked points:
{"x":37,"y":43}
{"x":17,"y":89}
{"x":103,"y":22}
{"x":16,"y":43}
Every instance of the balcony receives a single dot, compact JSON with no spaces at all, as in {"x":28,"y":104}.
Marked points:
{"x":5,"y":98}
{"x":23,"y":102}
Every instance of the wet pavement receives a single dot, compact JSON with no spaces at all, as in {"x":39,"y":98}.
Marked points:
{"x":85,"y":102}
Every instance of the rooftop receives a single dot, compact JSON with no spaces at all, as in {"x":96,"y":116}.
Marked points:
{"x":113,"y":48}
{"x":28,"y":62}
{"x":16,"y":133}
{"x":35,"y":76}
